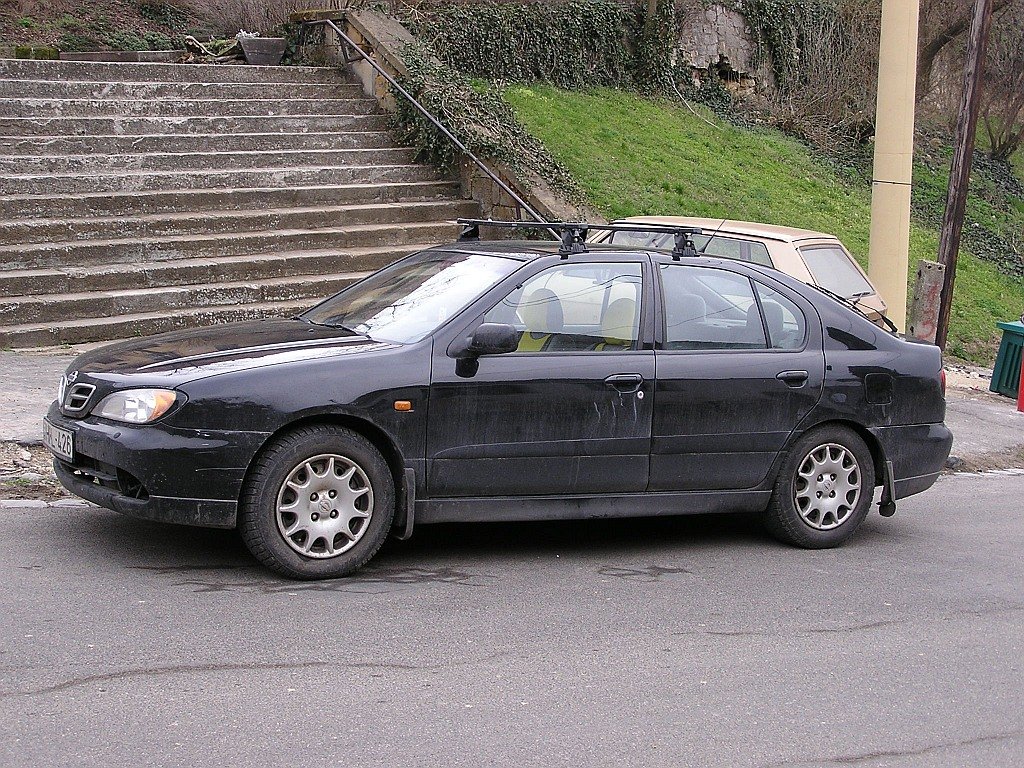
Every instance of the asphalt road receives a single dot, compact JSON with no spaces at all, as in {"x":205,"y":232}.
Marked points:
{"x":671,"y":642}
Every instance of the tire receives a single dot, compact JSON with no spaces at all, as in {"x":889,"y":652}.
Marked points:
{"x":318,"y":503}
{"x":820,"y":513}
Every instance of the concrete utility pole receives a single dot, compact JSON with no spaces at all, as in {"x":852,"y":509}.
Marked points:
{"x":963,"y":154}
{"x":889,"y":254}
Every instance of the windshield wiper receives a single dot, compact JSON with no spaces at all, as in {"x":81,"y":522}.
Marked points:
{"x":852,"y":304}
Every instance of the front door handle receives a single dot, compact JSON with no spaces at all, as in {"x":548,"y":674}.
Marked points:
{"x":793,"y":378}
{"x":626,"y":383}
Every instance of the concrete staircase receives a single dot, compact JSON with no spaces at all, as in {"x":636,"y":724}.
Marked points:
{"x":139,"y":198}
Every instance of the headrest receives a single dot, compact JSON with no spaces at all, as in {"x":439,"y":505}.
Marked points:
{"x":619,"y":322}
{"x":686,"y":308}
{"x":541,"y":312}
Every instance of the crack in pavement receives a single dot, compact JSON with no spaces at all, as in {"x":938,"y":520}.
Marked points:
{"x":848,"y":629}
{"x":885,"y":754}
{"x":179,"y":669}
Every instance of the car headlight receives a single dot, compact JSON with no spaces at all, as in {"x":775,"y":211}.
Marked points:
{"x":137,"y":406}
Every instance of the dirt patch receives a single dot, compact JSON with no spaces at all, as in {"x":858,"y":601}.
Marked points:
{"x":1012,"y":459}
{"x":26,"y":472}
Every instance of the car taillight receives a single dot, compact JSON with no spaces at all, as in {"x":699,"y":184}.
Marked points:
{"x":942,"y":378}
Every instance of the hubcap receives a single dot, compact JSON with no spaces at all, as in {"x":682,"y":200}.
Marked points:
{"x":324,"y":506}
{"x":827,"y":486}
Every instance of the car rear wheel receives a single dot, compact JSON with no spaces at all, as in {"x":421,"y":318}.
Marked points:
{"x":318,"y":504}
{"x":824,"y":489}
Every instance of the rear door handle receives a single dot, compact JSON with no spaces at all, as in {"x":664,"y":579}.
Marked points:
{"x":793,"y":378}
{"x":627,"y":383}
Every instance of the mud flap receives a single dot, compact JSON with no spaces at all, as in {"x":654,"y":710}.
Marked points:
{"x":887,"y":504}
{"x":404,"y":522}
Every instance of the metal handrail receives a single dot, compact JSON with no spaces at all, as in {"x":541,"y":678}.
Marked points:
{"x":350,"y":43}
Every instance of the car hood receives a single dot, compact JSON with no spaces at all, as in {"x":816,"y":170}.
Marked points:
{"x":174,"y":358}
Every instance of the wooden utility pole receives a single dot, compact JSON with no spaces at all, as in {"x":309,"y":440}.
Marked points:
{"x":963,"y":155}
{"x":889,"y":253}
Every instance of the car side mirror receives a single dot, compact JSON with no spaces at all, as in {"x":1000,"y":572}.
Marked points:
{"x":494,"y":339}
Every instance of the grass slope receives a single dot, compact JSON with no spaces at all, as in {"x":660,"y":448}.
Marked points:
{"x":634,"y":156}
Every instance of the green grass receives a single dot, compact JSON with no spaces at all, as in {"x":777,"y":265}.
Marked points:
{"x":634,"y":157}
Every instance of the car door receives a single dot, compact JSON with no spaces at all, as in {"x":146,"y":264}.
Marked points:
{"x":739,"y":364}
{"x":569,"y":412}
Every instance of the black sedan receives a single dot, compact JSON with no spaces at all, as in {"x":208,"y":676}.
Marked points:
{"x":509,"y":381}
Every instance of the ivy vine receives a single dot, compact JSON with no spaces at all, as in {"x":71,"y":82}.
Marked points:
{"x":478,"y":115}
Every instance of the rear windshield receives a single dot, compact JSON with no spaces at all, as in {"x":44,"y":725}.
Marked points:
{"x":710,"y":245}
{"x":834,"y":269}
{"x":411,"y":299}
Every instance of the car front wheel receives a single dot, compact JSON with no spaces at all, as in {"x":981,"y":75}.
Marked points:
{"x":318,"y":504}
{"x":824,"y":489}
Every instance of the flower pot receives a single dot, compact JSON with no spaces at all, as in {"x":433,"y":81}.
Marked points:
{"x":263,"y":51}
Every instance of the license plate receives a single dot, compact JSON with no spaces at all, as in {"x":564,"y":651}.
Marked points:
{"x":60,"y":441}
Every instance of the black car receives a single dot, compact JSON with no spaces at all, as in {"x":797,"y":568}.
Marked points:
{"x":509,"y":381}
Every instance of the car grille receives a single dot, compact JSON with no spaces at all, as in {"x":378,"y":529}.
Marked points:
{"x":77,"y":397}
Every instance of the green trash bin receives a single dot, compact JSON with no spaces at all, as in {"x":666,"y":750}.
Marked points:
{"x":1006,"y":374}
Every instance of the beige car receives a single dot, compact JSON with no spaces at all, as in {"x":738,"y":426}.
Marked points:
{"x":811,"y":257}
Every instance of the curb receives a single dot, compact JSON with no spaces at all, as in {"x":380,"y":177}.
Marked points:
{"x":40,"y":504}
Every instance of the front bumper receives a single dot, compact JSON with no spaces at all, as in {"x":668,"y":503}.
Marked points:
{"x":156,"y":472}
{"x":918,"y":454}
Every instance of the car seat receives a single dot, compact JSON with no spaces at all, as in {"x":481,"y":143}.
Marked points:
{"x":541,"y":313}
{"x":774,"y":319}
{"x":617,"y":326}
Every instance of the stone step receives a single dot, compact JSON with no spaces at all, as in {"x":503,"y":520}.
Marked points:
{"x":173,"y":108}
{"x":85,"y":330}
{"x":110,"y":277}
{"x":85,"y":253}
{"x":56,"y":309}
{"x":110,"y":72}
{"x":131,"y":91}
{"x":16,"y":146}
{"x":35,"y":231}
{"x":40,"y":165}
{"x":143,"y":203}
{"x":128,"y":181}
{"x":188,"y":124}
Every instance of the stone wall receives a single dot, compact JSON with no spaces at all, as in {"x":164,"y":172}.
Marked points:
{"x":720,"y":41}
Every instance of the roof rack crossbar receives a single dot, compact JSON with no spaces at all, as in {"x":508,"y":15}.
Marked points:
{"x":574,"y":234}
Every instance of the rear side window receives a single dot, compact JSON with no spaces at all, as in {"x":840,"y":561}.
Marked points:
{"x":709,"y":309}
{"x":786,"y":325}
{"x":834,"y":269}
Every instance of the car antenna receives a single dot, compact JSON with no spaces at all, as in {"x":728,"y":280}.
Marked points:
{"x":714,"y":234}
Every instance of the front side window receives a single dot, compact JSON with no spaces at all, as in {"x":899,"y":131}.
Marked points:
{"x":709,"y":309}
{"x":409,"y":300}
{"x":833,"y":268}
{"x":575,"y":308}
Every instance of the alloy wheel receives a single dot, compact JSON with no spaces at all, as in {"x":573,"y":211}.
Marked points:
{"x":324,"y":506}
{"x":827,"y":487}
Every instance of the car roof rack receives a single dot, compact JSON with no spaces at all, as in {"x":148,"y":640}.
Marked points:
{"x":573,"y":235}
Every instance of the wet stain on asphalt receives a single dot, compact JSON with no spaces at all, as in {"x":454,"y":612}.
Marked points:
{"x":648,"y":574}
{"x":367,"y":581}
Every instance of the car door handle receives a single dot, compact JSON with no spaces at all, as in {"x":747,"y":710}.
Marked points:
{"x":793,"y":378}
{"x":627,"y":383}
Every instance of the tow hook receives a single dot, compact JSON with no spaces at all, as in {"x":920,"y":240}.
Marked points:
{"x":887,"y":504}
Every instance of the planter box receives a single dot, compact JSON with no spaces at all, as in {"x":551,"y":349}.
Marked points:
{"x":263,"y":51}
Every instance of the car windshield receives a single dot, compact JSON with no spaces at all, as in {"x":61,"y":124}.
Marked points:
{"x":409,"y":300}
{"x":832,"y":268}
